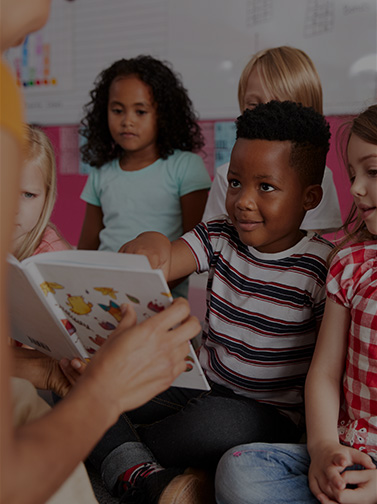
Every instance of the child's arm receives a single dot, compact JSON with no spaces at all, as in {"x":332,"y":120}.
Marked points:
{"x":174,"y":258}
{"x":193,"y":205}
{"x":322,"y":392}
{"x":93,"y":223}
{"x":41,"y":370}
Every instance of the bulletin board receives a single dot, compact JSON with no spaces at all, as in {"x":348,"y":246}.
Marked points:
{"x":207,"y":41}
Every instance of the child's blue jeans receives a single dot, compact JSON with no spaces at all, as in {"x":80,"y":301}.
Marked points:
{"x":262,"y":473}
{"x":183,"y":427}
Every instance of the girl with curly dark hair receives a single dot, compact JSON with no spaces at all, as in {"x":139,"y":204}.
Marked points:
{"x":141,"y":133}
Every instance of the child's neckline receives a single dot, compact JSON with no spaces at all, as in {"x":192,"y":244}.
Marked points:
{"x":301,"y":244}
{"x":138,"y":164}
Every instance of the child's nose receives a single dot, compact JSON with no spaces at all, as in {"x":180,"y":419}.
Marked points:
{"x":127,"y":119}
{"x":246,"y":201}
{"x":358,"y":187}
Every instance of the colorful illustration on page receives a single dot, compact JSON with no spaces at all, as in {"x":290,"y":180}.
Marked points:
{"x":156,"y":307}
{"x":167,"y":294}
{"x":107,"y":291}
{"x":78,"y":305}
{"x":71,"y":329}
{"x":98,"y":340}
{"x":108,"y":326}
{"x":50,"y":287}
{"x":189,"y":363}
{"x":113,"y":309}
{"x":133,"y":299}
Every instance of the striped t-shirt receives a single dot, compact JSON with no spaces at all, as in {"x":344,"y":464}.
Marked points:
{"x":262,"y":312}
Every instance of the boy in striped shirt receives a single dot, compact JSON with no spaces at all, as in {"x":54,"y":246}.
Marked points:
{"x":265,"y":297}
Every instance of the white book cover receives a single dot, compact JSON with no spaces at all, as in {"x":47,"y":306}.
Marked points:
{"x":67,"y":303}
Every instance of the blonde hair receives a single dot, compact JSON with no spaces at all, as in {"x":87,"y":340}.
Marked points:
{"x":286,"y":73}
{"x":363,"y":126}
{"x":39,"y":150}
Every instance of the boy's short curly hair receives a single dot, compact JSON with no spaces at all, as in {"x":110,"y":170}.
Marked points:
{"x":177,"y":122}
{"x":308,"y":131}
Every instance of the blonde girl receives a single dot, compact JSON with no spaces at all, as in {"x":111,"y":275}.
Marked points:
{"x":281,"y":73}
{"x":34,"y":233}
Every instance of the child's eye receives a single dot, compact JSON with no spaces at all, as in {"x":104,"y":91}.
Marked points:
{"x":266,"y":187}
{"x":28,"y":195}
{"x":251,"y":105}
{"x":141,"y":112}
{"x":234,"y":183}
{"x":116,"y":111}
{"x":372,"y":172}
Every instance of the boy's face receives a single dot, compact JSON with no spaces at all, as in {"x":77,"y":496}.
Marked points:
{"x":265,"y":198}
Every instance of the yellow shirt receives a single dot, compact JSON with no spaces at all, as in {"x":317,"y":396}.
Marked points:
{"x":11,"y":104}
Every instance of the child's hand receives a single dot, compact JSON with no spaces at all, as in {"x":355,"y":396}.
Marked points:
{"x":327,"y":463}
{"x":155,"y":246}
{"x":40,"y":369}
{"x":72,"y":370}
{"x":366,"y":491}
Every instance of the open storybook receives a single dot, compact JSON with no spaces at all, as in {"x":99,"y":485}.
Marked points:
{"x":67,"y":303}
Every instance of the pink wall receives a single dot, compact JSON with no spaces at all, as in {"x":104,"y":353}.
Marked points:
{"x":69,"y":210}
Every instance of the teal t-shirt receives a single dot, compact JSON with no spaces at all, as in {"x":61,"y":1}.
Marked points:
{"x":145,"y":200}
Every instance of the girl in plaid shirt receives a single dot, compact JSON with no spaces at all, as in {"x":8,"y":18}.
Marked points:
{"x":339,"y":463}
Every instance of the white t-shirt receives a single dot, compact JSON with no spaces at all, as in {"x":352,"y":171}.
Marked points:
{"x":326,"y":217}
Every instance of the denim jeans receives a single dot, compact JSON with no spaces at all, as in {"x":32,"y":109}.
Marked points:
{"x":263,"y":473}
{"x":183,"y":427}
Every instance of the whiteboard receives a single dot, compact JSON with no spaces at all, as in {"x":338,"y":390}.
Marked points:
{"x":208,"y":42}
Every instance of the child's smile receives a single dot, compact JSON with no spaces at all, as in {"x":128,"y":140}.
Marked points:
{"x":265,"y":198}
{"x":362,"y":158}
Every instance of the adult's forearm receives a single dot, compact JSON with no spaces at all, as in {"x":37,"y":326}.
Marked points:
{"x":48,"y":450}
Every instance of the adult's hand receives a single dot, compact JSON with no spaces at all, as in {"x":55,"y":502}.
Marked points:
{"x":139,"y":361}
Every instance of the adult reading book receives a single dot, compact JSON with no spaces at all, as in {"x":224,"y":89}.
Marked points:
{"x":66,"y":304}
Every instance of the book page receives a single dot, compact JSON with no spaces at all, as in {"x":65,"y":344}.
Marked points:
{"x":86,"y":289}
{"x":32,"y":322}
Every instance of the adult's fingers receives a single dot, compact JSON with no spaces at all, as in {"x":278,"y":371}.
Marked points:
{"x":129,"y":317}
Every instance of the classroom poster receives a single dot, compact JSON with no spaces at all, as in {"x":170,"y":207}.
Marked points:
{"x":43,"y":64}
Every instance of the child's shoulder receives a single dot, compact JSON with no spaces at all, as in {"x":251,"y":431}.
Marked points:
{"x":180,"y":156}
{"x":318,"y":243}
{"x":188,"y":168}
{"x":52,"y":241}
{"x":353,"y":267}
{"x":105,"y":169}
{"x":357,"y":253}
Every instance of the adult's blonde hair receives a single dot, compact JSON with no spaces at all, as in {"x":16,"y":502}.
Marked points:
{"x":363,"y":126}
{"x":286,"y":73}
{"x":39,"y":151}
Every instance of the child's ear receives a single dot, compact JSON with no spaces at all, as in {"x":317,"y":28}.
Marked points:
{"x":312,"y":196}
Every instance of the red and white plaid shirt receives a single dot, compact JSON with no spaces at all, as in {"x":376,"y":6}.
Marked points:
{"x":352,"y":282}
